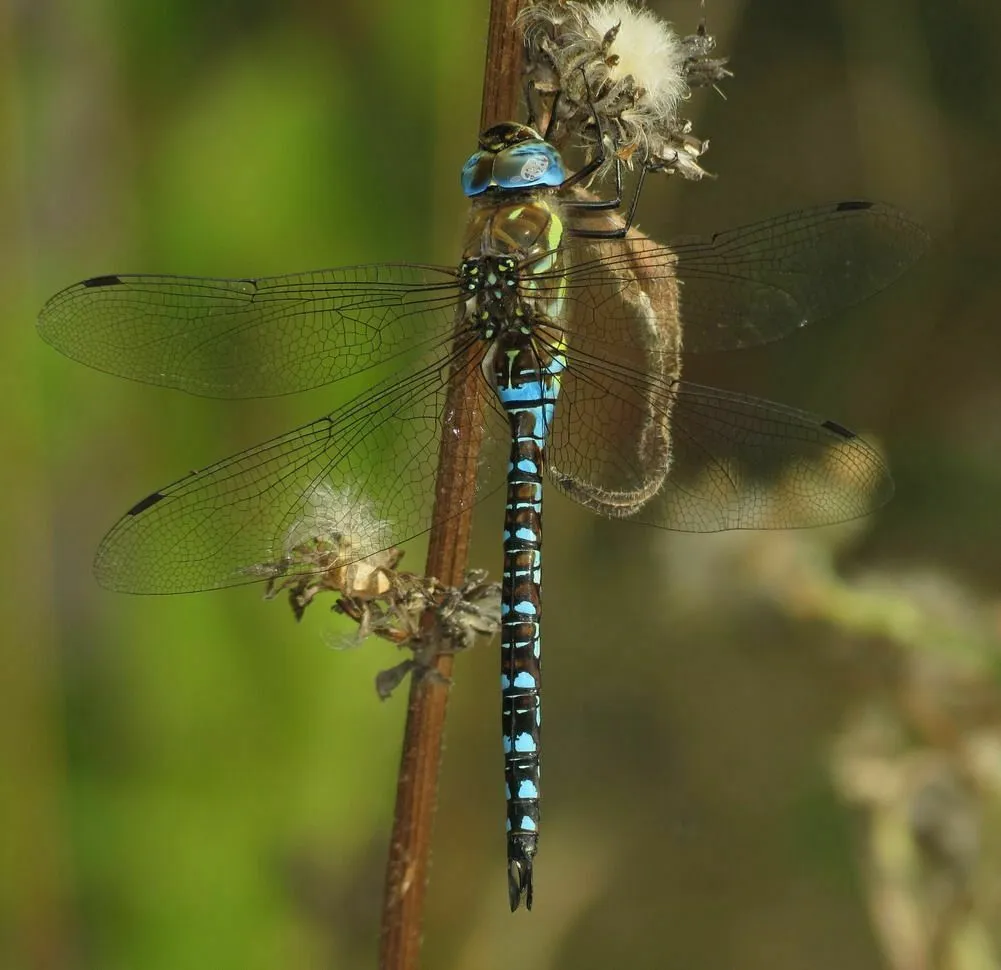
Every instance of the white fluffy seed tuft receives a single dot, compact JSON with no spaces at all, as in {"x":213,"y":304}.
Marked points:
{"x":647,"y":49}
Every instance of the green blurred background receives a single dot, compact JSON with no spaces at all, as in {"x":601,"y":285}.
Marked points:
{"x":744,"y":734}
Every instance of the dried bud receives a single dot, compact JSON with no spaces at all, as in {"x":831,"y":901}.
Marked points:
{"x":616,"y":66}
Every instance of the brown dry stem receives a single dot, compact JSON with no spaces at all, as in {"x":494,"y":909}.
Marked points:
{"x":417,"y":784}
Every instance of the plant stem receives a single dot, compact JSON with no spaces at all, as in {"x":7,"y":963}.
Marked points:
{"x":455,"y":487}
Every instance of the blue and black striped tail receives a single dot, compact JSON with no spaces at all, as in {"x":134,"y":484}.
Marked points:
{"x":526,"y":376}
{"x":521,"y":663}
{"x":530,"y":405}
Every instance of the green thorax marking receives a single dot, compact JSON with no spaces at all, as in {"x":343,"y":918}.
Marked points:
{"x":529,"y":229}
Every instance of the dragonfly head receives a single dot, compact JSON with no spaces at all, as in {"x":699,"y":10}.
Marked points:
{"x":512,"y":157}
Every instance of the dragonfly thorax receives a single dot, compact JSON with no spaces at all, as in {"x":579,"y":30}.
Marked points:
{"x":493,"y":302}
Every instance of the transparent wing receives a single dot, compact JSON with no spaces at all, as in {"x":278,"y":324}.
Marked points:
{"x":629,"y":438}
{"x":699,"y":459}
{"x":250,"y":338}
{"x":742,"y":463}
{"x":356,"y":480}
{"x":755,"y":284}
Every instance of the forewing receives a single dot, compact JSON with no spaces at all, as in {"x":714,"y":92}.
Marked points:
{"x":251,"y":338}
{"x":751,"y":285}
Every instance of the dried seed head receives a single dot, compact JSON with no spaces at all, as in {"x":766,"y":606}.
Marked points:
{"x":621,"y":66}
{"x":337,"y":545}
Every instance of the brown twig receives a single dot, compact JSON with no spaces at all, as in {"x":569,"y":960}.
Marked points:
{"x":417,"y":785}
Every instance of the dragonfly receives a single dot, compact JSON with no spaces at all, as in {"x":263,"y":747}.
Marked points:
{"x":578,"y":333}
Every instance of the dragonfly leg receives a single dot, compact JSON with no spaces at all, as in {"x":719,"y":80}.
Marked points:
{"x":538,"y":112}
{"x":553,"y":118}
{"x":598,"y":205}
{"x":620,"y":231}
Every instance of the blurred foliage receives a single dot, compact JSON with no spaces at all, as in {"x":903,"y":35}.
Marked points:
{"x":751,"y":762}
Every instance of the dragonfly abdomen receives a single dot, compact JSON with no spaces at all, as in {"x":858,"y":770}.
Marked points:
{"x":527,"y":384}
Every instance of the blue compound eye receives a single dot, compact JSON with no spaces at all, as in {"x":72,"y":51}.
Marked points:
{"x":523,"y":166}
{"x":477,"y":173}
{"x":535,"y":163}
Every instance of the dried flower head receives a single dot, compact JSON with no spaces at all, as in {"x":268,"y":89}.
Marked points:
{"x":619,"y":66}
{"x":334,"y":547}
